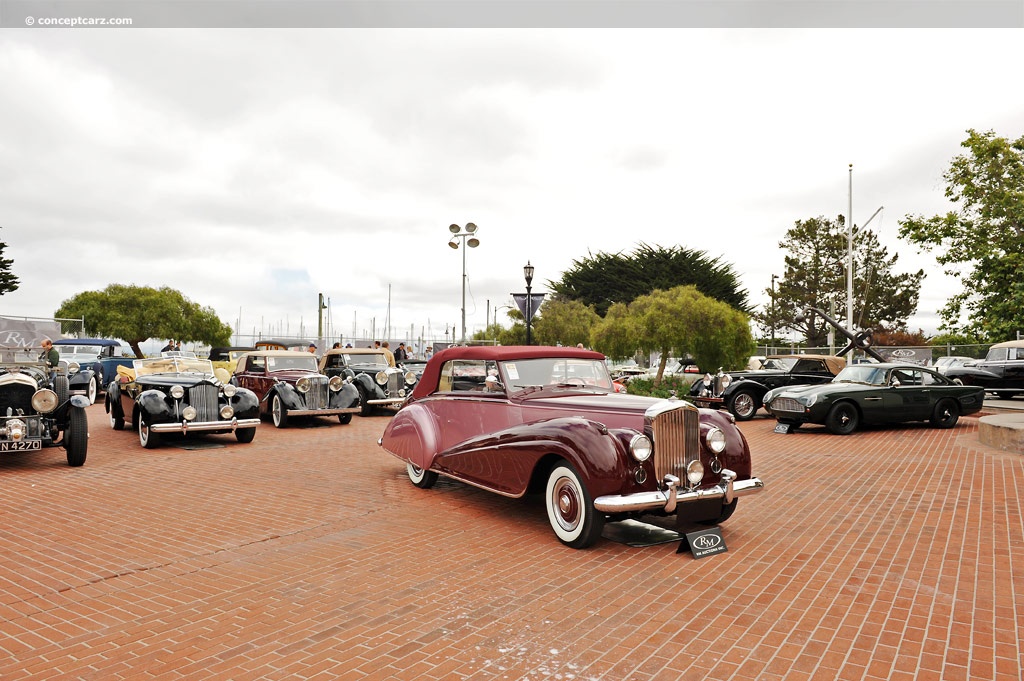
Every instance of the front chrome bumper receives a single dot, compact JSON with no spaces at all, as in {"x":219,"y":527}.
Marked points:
{"x":188,"y":426}
{"x":668,"y":499}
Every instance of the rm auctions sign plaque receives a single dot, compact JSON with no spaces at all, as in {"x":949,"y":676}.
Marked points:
{"x":703,"y":543}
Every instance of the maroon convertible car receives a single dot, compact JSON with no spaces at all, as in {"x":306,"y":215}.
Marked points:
{"x":516,"y":419}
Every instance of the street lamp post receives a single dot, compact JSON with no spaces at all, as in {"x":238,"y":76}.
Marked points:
{"x":528,"y":273}
{"x":468,"y":241}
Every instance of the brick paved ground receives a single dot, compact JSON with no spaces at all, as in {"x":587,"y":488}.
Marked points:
{"x":890,"y":554}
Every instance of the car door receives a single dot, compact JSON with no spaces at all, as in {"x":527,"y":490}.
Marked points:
{"x":467,"y":411}
{"x":911,"y":400}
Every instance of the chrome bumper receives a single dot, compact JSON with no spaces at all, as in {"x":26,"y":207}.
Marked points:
{"x":666,"y":500}
{"x":187,"y":426}
{"x":386,"y":401}
{"x":323,"y":412}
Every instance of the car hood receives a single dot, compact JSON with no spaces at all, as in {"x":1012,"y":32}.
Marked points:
{"x":820,"y":389}
{"x":756,"y":374}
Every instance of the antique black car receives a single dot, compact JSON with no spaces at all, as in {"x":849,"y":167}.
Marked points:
{"x":742,"y":392}
{"x":180,"y":395}
{"x":1001,"y":372}
{"x":289,"y":384}
{"x":380,"y":385}
{"x":38,"y":411}
{"x":875,"y":394}
{"x":101,"y":356}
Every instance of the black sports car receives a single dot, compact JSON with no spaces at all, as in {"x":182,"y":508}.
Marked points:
{"x":179,"y":395}
{"x":742,"y":392}
{"x":875,"y":394}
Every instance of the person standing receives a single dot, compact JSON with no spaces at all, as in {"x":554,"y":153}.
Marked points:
{"x":386,"y":347}
{"x":401,"y":354}
{"x":50,"y":356}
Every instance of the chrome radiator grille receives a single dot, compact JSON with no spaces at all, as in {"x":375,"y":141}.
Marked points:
{"x":787,"y":404}
{"x":316,"y":397}
{"x":395,"y":383}
{"x":676,"y":440}
{"x":204,"y":399}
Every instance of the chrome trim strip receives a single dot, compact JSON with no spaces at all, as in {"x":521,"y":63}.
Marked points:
{"x":186,"y":426}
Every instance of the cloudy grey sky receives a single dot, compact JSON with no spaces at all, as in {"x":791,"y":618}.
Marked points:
{"x":253,"y":169}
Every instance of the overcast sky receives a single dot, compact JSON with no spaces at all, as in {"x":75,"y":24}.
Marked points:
{"x":254,"y":169}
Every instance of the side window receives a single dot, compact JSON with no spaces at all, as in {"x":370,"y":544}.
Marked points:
{"x":997,"y":355}
{"x":928,"y":378}
{"x":810,"y":366}
{"x":1015,"y":354}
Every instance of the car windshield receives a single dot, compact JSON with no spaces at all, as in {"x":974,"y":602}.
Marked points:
{"x":559,"y":371}
{"x":781,"y":363}
{"x":173,"y":365}
{"x":93,"y":350}
{"x":374,"y":358}
{"x":306,"y":363}
{"x":861,"y":373}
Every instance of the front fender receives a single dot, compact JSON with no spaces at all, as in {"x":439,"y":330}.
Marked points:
{"x":153,"y":407}
{"x":346,"y":398}
{"x":289,"y":396}
{"x":758,"y":389}
{"x":505,"y":460}
{"x":245,"y":403}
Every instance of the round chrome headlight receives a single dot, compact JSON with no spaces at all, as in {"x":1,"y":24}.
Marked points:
{"x":177,"y":392}
{"x":726,"y":380}
{"x":410,"y":377}
{"x":44,"y":401}
{"x":74,"y":367}
{"x":230,"y":390}
{"x":381,"y":377}
{"x":226,"y":411}
{"x":336,"y":383}
{"x":189,"y":413}
{"x":716,"y":440}
{"x":695,"y":472}
{"x":640,"y":447}
{"x":303,"y":384}
{"x":810,"y":400}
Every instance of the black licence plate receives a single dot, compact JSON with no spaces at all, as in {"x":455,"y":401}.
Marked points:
{"x":20,"y":445}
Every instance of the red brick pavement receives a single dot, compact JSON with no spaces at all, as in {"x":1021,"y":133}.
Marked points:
{"x":890,"y":554}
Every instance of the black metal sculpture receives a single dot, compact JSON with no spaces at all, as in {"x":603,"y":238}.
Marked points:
{"x":859,"y":341}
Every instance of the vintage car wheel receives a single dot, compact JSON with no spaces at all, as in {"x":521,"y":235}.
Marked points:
{"x":344,"y":418}
{"x":245,"y":435}
{"x":116,"y":422}
{"x":147,"y":438}
{"x":278,"y":413}
{"x":60,"y":386}
{"x":842,"y":419}
{"x":743,"y":405}
{"x":76,"y":437}
{"x":423,"y":479}
{"x":570,"y":509}
{"x":92,"y":390}
{"x":946,"y":414}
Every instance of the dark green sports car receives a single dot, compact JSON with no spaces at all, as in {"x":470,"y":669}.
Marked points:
{"x":875,"y":394}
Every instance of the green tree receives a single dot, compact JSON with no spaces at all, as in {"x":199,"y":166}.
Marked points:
{"x":680,"y":320}
{"x":564,"y":321}
{"x":137,"y":313}
{"x":603,"y":279}
{"x":815,"y":276}
{"x":981,"y":242}
{"x":8,"y":282}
